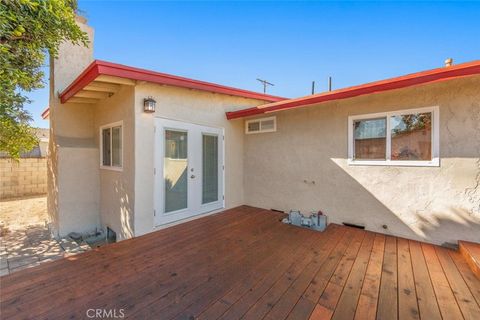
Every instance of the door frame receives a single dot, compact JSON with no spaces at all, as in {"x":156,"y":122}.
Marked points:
{"x":160,"y":218}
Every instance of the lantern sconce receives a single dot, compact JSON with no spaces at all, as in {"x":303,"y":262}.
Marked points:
{"x":149,"y":105}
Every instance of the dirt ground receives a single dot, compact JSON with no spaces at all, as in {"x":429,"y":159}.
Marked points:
{"x":22,"y":212}
{"x":25,"y":240}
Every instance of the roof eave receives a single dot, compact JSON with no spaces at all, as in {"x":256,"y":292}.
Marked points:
{"x":97,"y":68}
{"x":46,"y":113}
{"x":425,"y":77}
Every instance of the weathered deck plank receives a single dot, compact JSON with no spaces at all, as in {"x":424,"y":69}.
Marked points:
{"x":407,"y":295}
{"x":427,"y":303}
{"x":387,"y":307}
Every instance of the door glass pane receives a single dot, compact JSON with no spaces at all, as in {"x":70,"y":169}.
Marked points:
{"x":370,"y":139}
{"x":106,"y":147}
{"x":117,"y":146}
{"x":175,"y":170}
{"x":412,"y":136}
{"x":209,"y":168}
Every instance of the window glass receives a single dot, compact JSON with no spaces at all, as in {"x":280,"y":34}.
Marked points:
{"x":254,"y":126}
{"x":411,"y":136}
{"x":370,"y":140}
{"x":106,"y":147}
{"x":175,"y":170}
{"x":268,"y":124}
{"x":117,"y":146}
{"x":175,"y":144}
{"x":209,"y":168}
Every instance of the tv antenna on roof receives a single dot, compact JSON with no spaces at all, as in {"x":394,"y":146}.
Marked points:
{"x":265,"y":84}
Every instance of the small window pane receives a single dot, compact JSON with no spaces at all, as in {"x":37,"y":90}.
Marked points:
{"x":268,"y":124}
{"x":370,"y":139}
{"x":412,"y":136}
{"x":106,"y":147}
{"x":117,"y":146}
{"x":254,"y":126}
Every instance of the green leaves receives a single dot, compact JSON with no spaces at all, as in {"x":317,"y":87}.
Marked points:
{"x":29,"y":30}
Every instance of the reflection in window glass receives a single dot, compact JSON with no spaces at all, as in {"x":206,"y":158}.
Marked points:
{"x":370,"y":141}
{"x":117,"y":146}
{"x":106,"y":147}
{"x":175,"y":144}
{"x":175,"y":170}
{"x":411,"y":136}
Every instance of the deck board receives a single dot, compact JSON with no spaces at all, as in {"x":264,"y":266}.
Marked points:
{"x":367,"y":304}
{"x":327,"y":302}
{"x":407,"y":295}
{"x":467,"y":274}
{"x":445,"y":297}
{"x":469,"y":307}
{"x":244,"y":263}
{"x":348,"y":301}
{"x":427,"y":303}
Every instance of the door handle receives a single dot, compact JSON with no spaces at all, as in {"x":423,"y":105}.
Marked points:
{"x":192,"y":176}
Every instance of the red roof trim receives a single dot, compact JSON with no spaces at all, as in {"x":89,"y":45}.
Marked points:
{"x":434,"y":75}
{"x":98,"y":67}
{"x":87,"y":76}
{"x":46,"y":113}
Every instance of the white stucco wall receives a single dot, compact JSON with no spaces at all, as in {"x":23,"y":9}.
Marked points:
{"x":434,"y":204}
{"x":192,"y":106}
{"x":73,"y":188}
{"x":117,"y":187}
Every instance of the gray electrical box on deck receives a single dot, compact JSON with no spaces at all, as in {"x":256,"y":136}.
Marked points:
{"x":314,"y":221}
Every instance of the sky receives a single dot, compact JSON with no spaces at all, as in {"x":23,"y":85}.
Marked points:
{"x":290,"y":44}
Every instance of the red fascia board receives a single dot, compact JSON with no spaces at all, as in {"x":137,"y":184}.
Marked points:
{"x":117,"y":70}
{"x":435,"y":75}
{"x":46,"y":113}
{"x":87,"y":76}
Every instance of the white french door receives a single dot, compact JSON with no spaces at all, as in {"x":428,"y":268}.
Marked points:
{"x":188,"y":170}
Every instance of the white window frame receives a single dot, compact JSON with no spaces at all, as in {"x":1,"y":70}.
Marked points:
{"x":110,"y":126}
{"x":435,"y":162}
{"x":274,"y":118}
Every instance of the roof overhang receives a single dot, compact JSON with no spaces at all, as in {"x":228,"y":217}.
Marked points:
{"x":46,"y":113}
{"x":102,"y":79}
{"x":424,"y":77}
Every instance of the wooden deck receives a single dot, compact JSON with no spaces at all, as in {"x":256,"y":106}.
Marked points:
{"x":245,"y":264}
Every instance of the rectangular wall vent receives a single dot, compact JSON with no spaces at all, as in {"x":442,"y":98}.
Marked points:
{"x":261,"y":125}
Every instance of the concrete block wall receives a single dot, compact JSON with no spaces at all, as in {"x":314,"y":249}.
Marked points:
{"x":25,"y":177}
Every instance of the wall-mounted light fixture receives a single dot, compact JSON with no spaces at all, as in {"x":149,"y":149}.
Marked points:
{"x":149,"y":105}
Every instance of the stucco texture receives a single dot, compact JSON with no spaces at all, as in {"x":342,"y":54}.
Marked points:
{"x":82,"y":195}
{"x":72,"y":175}
{"x":117,"y":187}
{"x":194,"y":106}
{"x":304,"y":166}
